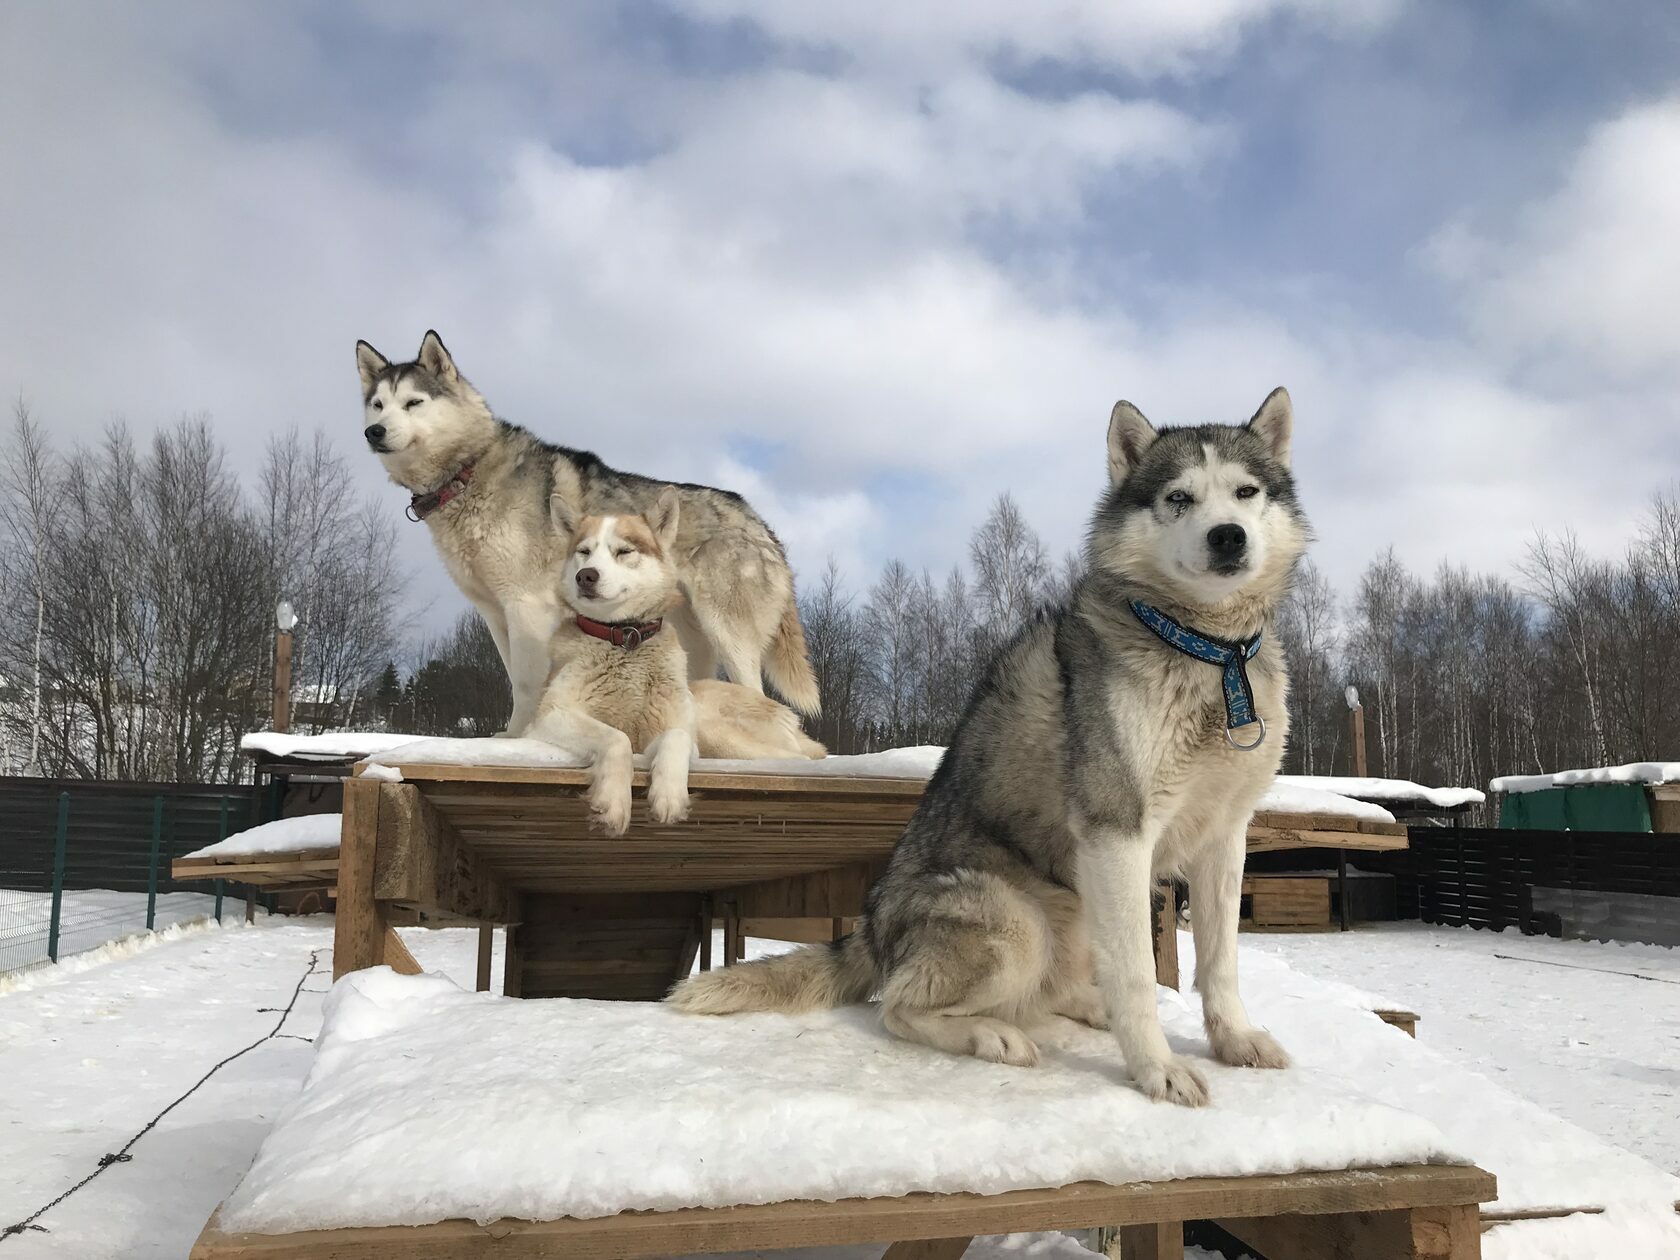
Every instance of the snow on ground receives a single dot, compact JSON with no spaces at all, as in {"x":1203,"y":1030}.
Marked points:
{"x":88,"y":918}
{"x":1550,"y":1020}
{"x":284,"y":835}
{"x":1634,"y":772}
{"x":100,"y":1052}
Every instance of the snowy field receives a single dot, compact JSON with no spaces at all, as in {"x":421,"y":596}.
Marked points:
{"x":102,"y":1047}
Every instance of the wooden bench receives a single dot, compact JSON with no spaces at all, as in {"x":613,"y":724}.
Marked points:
{"x":1407,"y":1213}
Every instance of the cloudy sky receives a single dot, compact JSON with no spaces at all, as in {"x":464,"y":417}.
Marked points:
{"x":873,"y":263}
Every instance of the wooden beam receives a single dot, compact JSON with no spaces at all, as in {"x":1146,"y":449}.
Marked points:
{"x":1405,"y":1021}
{"x":1162,"y":1241}
{"x":422,"y":862}
{"x":397,"y":957}
{"x":1084,"y":1205}
{"x":486,"y":945}
{"x":359,"y":924}
{"x":1164,"y":915}
{"x":928,"y":1249}
{"x":1450,"y":1232}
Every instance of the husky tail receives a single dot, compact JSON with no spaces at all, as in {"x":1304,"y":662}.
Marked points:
{"x":814,"y":978}
{"x":789,"y":663}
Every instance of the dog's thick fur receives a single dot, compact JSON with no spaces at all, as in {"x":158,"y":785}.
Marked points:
{"x":1091,"y":761}
{"x":609,"y":701}
{"x":425,"y":421}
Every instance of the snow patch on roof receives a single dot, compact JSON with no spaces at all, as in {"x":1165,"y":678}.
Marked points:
{"x":1388,"y":791}
{"x":1633,"y":772}
{"x":284,"y":835}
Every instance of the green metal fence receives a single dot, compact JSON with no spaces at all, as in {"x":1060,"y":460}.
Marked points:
{"x":86,"y":863}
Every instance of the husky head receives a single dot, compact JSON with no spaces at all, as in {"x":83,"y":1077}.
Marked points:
{"x":1203,"y":517}
{"x":422,"y":418}
{"x":619,"y":567}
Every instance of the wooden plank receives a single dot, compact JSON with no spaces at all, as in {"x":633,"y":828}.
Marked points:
{"x":1448,"y":1232}
{"x":397,"y":956}
{"x":321,"y":870}
{"x":1164,"y":916}
{"x":421,"y":860}
{"x":928,"y":1249}
{"x":1163,"y":1240}
{"x":1272,"y":839}
{"x":806,"y":931}
{"x":359,"y":924}
{"x":1405,"y":1021}
{"x":699,"y":781}
{"x":1084,"y":1205}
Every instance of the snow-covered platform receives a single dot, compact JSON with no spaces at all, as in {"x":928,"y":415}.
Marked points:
{"x":438,"y":1122}
{"x":624,"y":917}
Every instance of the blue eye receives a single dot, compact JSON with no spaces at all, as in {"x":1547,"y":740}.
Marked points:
{"x":1180,"y":498}
{"x":1247,"y":492}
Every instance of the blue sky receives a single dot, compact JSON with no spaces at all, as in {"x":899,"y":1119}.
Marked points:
{"x":872,"y":264}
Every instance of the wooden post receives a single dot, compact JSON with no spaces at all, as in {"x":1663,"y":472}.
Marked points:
{"x":731,"y":932}
{"x":281,"y":714}
{"x":928,"y":1249}
{"x":1161,"y":1241}
{"x":1356,"y":741}
{"x":359,"y":929}
{"x":1165,"y":916}
{"x":486,"y":942}
{"x":706,"y":932}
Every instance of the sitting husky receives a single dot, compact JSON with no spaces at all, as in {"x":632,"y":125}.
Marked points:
{"x":1123,"y":738}
{"x":620,"y":677}
{"x":482,"y":486}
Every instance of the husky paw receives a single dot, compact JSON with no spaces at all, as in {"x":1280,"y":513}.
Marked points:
{"x":1174,"y":1081}
{"x":609,"y":804}
{"x":998,"y":1042}
{"x":667,"y":805}
{"x":1248,"y":1047}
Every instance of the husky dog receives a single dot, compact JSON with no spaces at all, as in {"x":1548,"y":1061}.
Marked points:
{"x":620,"y":680}
{"x":1120,"y":739}
{"x":483,"y":485}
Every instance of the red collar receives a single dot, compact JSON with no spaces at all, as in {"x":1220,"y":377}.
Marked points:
{"x":423,"y":505}
{"x":624,"y":634}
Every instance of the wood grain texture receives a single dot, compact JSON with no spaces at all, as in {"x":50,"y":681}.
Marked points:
{"x":359,"y":924}
{"x":927,"y":1249}
{"x":1439,"y":1232}
{"x":1163,"y":1240}
{"x":639,"y":1235}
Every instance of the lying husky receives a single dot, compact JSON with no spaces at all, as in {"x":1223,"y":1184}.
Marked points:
{"x":482,"y":486}
{"x":1115,"y":741}
{"x":620,"y":677}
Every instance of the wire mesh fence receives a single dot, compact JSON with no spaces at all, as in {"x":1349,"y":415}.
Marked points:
{"x":86,"y":863}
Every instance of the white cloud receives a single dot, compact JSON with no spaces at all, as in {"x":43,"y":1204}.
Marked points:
{"x":1592,"y":270}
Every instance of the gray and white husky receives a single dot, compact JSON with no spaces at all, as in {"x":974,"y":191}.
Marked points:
{"x":483,"y":488}
{"x":1097,"y":755}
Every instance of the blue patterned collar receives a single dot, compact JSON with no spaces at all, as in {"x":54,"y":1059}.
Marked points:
{"x":1232,"y":659}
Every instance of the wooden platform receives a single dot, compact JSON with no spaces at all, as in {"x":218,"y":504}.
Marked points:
{"x":298,"y":871}
{"x":1415,"y":1212}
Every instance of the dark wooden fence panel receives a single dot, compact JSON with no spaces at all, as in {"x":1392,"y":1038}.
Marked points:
{"x":1485,"y":877}
{"x":110,"y":831}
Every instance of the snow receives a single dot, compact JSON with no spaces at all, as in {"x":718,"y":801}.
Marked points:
{"x":822,"y":1106}
{"x":1389,"y":791}
{"x":96,"y":1055}
{"x":1284,"y":798}
{"x":284,"y":835}
{"x":333,"y":746}
{"x":1634,"y":772}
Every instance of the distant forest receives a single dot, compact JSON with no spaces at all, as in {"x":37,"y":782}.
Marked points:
{"x":137,"y":586}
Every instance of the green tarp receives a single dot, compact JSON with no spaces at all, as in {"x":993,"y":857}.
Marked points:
{"x":1595,"y":807}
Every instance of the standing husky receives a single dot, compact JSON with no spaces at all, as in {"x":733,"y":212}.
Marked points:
{"x":483,"y":486}
{"x":1123,"y":738}
{"x":620,"y":678}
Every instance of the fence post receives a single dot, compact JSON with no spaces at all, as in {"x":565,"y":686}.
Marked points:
{"x":151,"y":873}
{"x":221,"y":834}
{"x":60,"y":842}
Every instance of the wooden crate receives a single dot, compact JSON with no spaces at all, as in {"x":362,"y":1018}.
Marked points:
{"x":1288,"y":900}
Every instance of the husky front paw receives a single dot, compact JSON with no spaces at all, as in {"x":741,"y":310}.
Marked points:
{"x":1174,"y":1081}
{"x":1247,"y":1047}
{"x":667,"y":804}
{"x":609,"y":804}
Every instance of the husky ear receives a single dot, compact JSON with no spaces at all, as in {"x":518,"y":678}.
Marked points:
{"x":562,"y":515}
{"x":370,"y":363}
{"x":1129,"y":436}
{"x":662,"y":518}
{"x":1274,"y":423}
{"x":435,"y":358}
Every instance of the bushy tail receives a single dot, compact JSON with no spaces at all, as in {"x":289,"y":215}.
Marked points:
{"x":814,"y":978}
{"x":789,"y":663}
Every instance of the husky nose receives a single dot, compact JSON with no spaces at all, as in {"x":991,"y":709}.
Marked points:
{"x":586,"y":580}
{"x":1227,"y":541}
{"x":374,"y":433}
